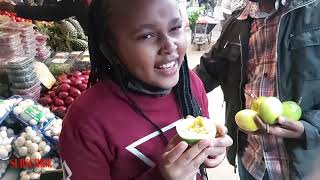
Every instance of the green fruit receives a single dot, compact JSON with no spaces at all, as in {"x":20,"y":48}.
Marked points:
{"x":270,"y":110}
{"x":79,"y":45}
{"x":68,"y":29}
{"x":255,"y":105}
{"x":192,"y":130}
{"x":77,"y":26}
{"x":291,"y":110}
{"x":245,"y":120}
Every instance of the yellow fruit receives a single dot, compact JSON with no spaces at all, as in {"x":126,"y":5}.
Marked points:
{"x":245,"y":120}
{"x":255,"y":105}
{"x":270,"y":109}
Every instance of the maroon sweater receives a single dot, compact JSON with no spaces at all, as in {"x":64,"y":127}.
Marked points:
{"x":103,"y":138}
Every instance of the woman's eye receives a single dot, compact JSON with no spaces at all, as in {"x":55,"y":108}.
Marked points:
{"x":176,"y":28}
{"x":146,"y":36}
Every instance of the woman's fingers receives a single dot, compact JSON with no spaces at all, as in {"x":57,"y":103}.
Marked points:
{"x":223,"y":141}
{"x":175,"y":153}
{"x":215,"y":161}
{"x":193,"y":152}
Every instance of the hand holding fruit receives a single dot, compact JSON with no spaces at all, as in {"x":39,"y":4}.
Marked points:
{"x":284,"y":128}
{"x":179,"y":162}
{"x":219,"y":148}
{"x":192,"y":130}
{"x":269,"y":115}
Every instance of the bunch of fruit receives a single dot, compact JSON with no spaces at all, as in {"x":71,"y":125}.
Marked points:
{"x":14,"y":17}
{"x":65,"y":36}
{"x":269,"y":109}
{"x":67,"y":89}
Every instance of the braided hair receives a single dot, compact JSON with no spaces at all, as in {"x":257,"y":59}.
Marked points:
{"x":104,"y":65}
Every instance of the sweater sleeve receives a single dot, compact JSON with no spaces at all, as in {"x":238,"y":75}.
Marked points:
{"x":83,"y":149}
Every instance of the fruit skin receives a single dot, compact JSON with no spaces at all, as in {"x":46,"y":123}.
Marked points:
{"x":79,"y":44}
{"x":255,"y":105}
{"x":77,"y":26}
{"x":194,"y":140}
{"x":291,"y":110}
{"x":68,"y":29}
{"x":245,"y":120}
{"x":270,"y":110}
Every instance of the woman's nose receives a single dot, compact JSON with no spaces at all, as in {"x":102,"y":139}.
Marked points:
{"x":168,"y":46}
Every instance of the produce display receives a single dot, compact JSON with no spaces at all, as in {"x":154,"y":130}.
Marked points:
{"x":29,"y":113}
{"x":192,"y":129}
{"x":7,"y":105}
{"x":13,"y":17}
{"x":68,"y":88}
{"x":81,"y":61}
{"x":34,"y":173}
{"x":52,"y":130}
{"x":27,"y":35}
{"x":23,"y":78}
{"x":6,"y":137}
{"x":43,"y":50}
{"x":65,"y":36}
{"x":30,"y":144}
{"x":269,"y":109}
{"x":30,"y":126}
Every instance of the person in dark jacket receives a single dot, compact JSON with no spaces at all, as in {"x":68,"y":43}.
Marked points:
{"x":270,"y":49}
{"x":52,"y":12}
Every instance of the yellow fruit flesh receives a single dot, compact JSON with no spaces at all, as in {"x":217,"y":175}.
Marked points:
{"x":198,"y":127}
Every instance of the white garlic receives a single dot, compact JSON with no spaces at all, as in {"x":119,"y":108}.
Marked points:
{"x":23,"y":151}
{"x":3,"y":153}
{"x":20,"y":141}
{"x":47,"y":149}
{"x":36,"y":139}
{"x":33,"y":148}
{"x":36,"y":155}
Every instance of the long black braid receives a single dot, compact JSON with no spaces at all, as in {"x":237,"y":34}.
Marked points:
{"x":103,"y":66}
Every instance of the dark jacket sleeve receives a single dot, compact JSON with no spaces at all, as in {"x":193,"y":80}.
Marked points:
{"x":305,"y":152}
{"x":208,"y":72}
{"x":311,"y":122}
{"x":63,"y":9}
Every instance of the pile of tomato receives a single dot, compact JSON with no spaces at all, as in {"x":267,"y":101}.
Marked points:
{"x":14,"y":17}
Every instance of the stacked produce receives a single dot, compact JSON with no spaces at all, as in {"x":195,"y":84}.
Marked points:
{"x":68,"y":88}
{"x":30,"y":144}
{"x":27,"y":35}
{"x":43,"y":50}
{"x":269,"y":109}
{"x":13,"y":17}
{"x":82,"y":61}
{"x":23,"y":78}
{"x":60,"y":64}
{"x":65,"y":36}
{"x":6,"y":137}
{"x":10,"y":45}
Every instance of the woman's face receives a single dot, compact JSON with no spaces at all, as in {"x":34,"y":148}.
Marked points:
{"x":149,"y":39}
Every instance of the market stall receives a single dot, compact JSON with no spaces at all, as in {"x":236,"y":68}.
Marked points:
{"x":44,"y":68}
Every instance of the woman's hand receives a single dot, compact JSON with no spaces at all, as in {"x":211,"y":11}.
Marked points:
{"x":180,"y":162}
{"x":219,"y":146}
